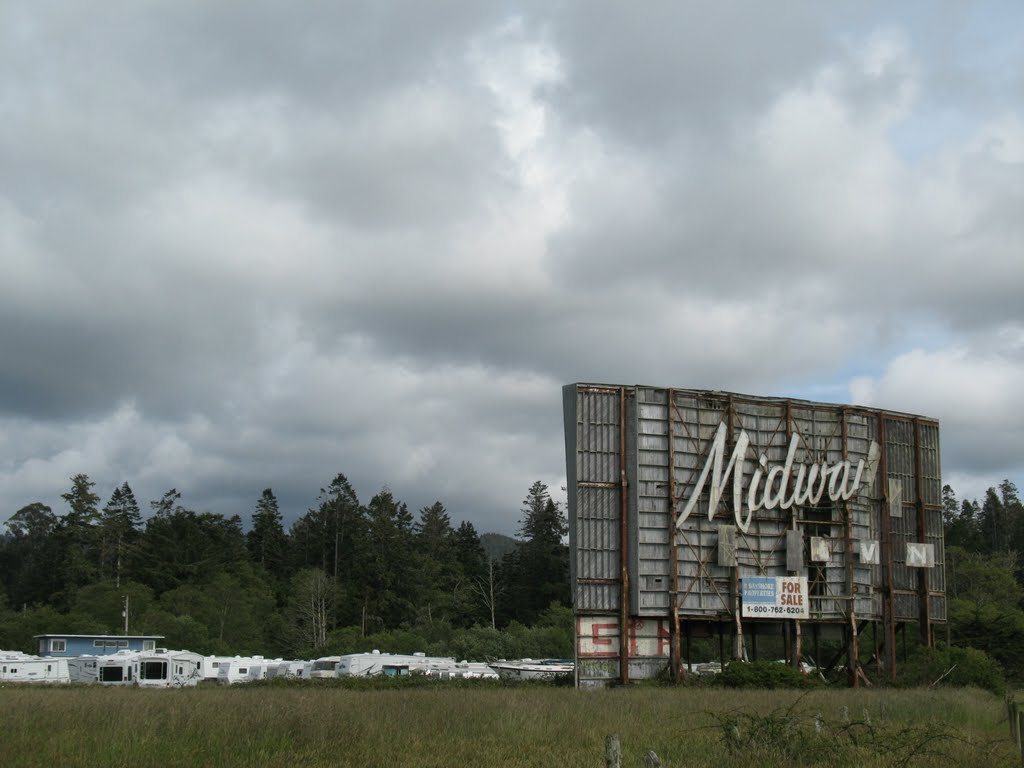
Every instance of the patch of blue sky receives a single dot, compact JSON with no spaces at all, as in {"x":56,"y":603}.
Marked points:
{"x":833,"y":386}
{"x":969,"y":59}
{"x":928,"y":132}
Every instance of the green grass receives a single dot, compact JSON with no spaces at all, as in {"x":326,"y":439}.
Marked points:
{"x":311,"y":725}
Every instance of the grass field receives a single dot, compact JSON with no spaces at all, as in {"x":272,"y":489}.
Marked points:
{"x":311,"y":725}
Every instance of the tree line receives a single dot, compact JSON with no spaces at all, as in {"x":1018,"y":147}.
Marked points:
{"x":985,"y":574}
{"x":342,"y":576}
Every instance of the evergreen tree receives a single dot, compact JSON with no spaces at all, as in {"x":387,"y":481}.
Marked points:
{"x":479,"y":601}
{"x":436,"y":580}
{"x":119,"y":526}
{"x":388,"y":587}
{"x":183,"y":547}
{"x":1014,"y":513}
{"x":959,"y":524}
{"x":31,"y":557}
{"x":166,"y":504}
{"x":992,"y":524}
{"x":332,"y":538}
{"x":267,"y":541}
{"x":77,"y":538}
{"x":536,"y":574}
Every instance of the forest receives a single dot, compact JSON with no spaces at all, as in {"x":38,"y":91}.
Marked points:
{"x":344,"y":577}
{"x":348,"y":576}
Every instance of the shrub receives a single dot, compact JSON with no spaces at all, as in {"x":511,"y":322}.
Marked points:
{"x":952,"y":667}
{"x":763,"y":674}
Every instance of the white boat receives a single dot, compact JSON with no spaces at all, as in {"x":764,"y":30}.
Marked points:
{"x":17,"y":667}
{"x":533,"y":669}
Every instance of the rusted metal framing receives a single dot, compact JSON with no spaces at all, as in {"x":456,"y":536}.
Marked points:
{"x":738,"y":650}
{"x":888,"y":587}
{"x":797,"y":651}
{"x":675,"y":661}
{"x":852,"y":645}
{"x":623,"y":545}
{"x":924,"y":601}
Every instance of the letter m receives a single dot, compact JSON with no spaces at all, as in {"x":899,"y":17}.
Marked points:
{"x":713,"y":465}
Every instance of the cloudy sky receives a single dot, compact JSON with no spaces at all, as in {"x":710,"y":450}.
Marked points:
{"x":249,"y":244}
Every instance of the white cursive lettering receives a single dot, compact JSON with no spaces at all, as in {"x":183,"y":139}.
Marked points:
{"x":809,"y":485}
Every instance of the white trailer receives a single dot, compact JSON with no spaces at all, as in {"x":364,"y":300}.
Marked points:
{"x":392,"y":664}
{"x":242,"y":670}
{"x":17,"y":667}
{"x":325,"y":666}
{"x":296,"y":669}
{"x":167,"y":669}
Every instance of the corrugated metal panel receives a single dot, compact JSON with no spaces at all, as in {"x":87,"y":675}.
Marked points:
{"x":592,"y":416}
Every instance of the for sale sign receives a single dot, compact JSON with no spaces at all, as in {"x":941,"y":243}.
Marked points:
{"x":775,"y":597}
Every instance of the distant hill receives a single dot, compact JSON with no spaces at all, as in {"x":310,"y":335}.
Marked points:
{"x":497,"y":545}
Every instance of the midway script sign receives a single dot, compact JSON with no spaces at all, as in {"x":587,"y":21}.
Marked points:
{"x":782,"y":486}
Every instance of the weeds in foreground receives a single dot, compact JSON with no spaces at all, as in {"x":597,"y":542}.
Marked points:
{"x":796,"y":736}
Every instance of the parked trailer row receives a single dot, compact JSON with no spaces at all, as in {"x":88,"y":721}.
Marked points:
{"x":164,"y":668}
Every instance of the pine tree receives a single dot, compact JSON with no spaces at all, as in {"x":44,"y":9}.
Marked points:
{"x":31,"y":557}
{"x":267,"y":541}
{"x":119,"y":526}
{"x":77,"y":534}
{"x":536,"y":574}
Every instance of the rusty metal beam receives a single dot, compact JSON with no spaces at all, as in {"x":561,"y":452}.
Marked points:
{"x":924,"y":604}
{"x":623,"y":545}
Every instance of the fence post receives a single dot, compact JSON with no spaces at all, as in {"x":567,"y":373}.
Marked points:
{"x":1011,"y":714}
{"x":1020,"y":725}
{"x":612,"y":752}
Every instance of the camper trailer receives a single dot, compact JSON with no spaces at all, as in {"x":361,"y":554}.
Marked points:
{"x":17,"y":667}
{"x":119,"y":668}
{"x":296,"y":669}
{"x":392,"y":664}
{"x":242,"y":670}
{"x":325,"y":666}
{"x":165,"y":669}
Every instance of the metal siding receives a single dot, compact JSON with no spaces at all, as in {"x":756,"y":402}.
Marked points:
{"x":595,"y":547}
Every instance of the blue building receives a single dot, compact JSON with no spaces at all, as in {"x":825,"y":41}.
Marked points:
{"x":94,"y":645}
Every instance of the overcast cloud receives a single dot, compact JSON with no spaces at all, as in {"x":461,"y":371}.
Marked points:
{"x":251,"y":244}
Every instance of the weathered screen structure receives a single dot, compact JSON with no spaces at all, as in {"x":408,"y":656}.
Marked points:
{"x":698,"y":514}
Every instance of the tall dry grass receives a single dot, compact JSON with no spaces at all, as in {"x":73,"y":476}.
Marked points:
{"x":529,"y":726}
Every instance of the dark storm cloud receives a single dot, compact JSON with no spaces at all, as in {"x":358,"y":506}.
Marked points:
{"x":245,"y":246}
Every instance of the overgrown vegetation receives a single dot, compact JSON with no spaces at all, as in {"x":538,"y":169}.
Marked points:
{"x":765,"y":674}
{"x":421,"y":726}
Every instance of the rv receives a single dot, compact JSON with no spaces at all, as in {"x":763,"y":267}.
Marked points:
{"x":242,"y":670}
{"x":296,"y":669}
{"x":325,"y":666}
{"x":119,"y":668}
{"x":165,"y":669}
{"x":17,"y":667}
{"x":392,"y":664}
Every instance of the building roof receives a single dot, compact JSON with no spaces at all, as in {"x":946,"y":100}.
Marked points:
{"x":104,"y":637}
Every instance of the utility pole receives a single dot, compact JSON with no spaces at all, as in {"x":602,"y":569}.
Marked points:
{"x":125,"y":614}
